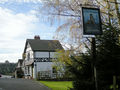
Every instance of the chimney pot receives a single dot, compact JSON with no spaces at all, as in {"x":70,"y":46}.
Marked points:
{"x":37,"y":37}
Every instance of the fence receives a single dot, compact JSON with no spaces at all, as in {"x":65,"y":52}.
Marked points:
{"x":48,"y":75}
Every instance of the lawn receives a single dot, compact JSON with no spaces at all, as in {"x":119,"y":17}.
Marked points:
{"x":58,"y":85}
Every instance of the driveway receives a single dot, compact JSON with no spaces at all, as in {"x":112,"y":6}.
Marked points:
{"x":20,"y":84}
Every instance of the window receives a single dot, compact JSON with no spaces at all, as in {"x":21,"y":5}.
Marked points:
{"x":28,"y":56}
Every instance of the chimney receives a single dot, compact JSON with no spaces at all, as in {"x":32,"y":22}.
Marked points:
{"x":37,"y":37}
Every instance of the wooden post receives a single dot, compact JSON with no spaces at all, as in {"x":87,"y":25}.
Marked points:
{"x":94,"y":60}
{"x":114,"y":82}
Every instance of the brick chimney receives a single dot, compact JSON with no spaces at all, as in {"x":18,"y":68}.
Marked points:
{"x":37,"y":37}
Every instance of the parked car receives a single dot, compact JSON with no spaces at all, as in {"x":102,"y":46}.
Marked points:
{"x":0,"y":75}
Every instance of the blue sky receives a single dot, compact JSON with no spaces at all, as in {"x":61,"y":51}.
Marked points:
{"x":19,"y":21}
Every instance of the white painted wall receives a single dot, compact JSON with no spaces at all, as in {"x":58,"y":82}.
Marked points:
{"x":40,"y":66}
{"x":34,"y":71}
{"x":45,"y":54}
{"x":44,"y":66}
{"x":41,"y":54}
{"x":29,"y":50}
{"x":30,"y":72}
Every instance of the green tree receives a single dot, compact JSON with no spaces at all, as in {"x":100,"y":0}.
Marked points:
{"x":82,"y":70}
{"x":108,"y":56}
{"x":7,"y":68}
{"x":79,"y":67}
{"x":108,"y":45}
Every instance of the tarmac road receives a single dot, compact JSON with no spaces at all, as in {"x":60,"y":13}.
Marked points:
{"x":20,"y":84}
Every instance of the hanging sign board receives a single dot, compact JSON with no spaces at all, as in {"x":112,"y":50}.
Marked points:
{"x":91,"y":21}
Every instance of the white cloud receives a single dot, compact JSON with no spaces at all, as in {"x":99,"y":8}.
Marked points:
{"x":13,"y":25}
{"x":20,"y":1}
{"x":11,"y":57}
{"x":14,"y":29}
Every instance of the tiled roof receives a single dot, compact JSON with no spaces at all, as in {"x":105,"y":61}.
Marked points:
{"x":44,"y":45}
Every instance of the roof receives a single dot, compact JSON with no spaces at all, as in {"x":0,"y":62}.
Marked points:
{"x":43,"y":45}
{"x":20,"y":61}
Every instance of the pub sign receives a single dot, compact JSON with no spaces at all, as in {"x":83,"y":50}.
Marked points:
{"x":91,"y":21}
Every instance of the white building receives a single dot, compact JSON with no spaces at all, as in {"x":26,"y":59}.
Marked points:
{"x":38,"y":56}
{"x":19,"y":71}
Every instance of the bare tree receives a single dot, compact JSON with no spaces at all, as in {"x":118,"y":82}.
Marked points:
{"x":68,"y":13}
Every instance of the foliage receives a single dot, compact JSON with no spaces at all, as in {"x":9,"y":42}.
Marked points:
{"x":108,"y":56}
{"x":79,"y":67}
{"x":107,"y":62}
{"x":82,"y":70}
{"x":62,"y":59}
{"x":108,"y":45}
{"x":7,"y":68}
{"x":58,"y":85}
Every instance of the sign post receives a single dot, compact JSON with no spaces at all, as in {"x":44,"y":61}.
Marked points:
{"x":93,"y":47}
{"x":92,"y":26}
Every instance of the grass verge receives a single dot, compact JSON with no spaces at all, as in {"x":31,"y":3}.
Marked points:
{"x":58,"y":85}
